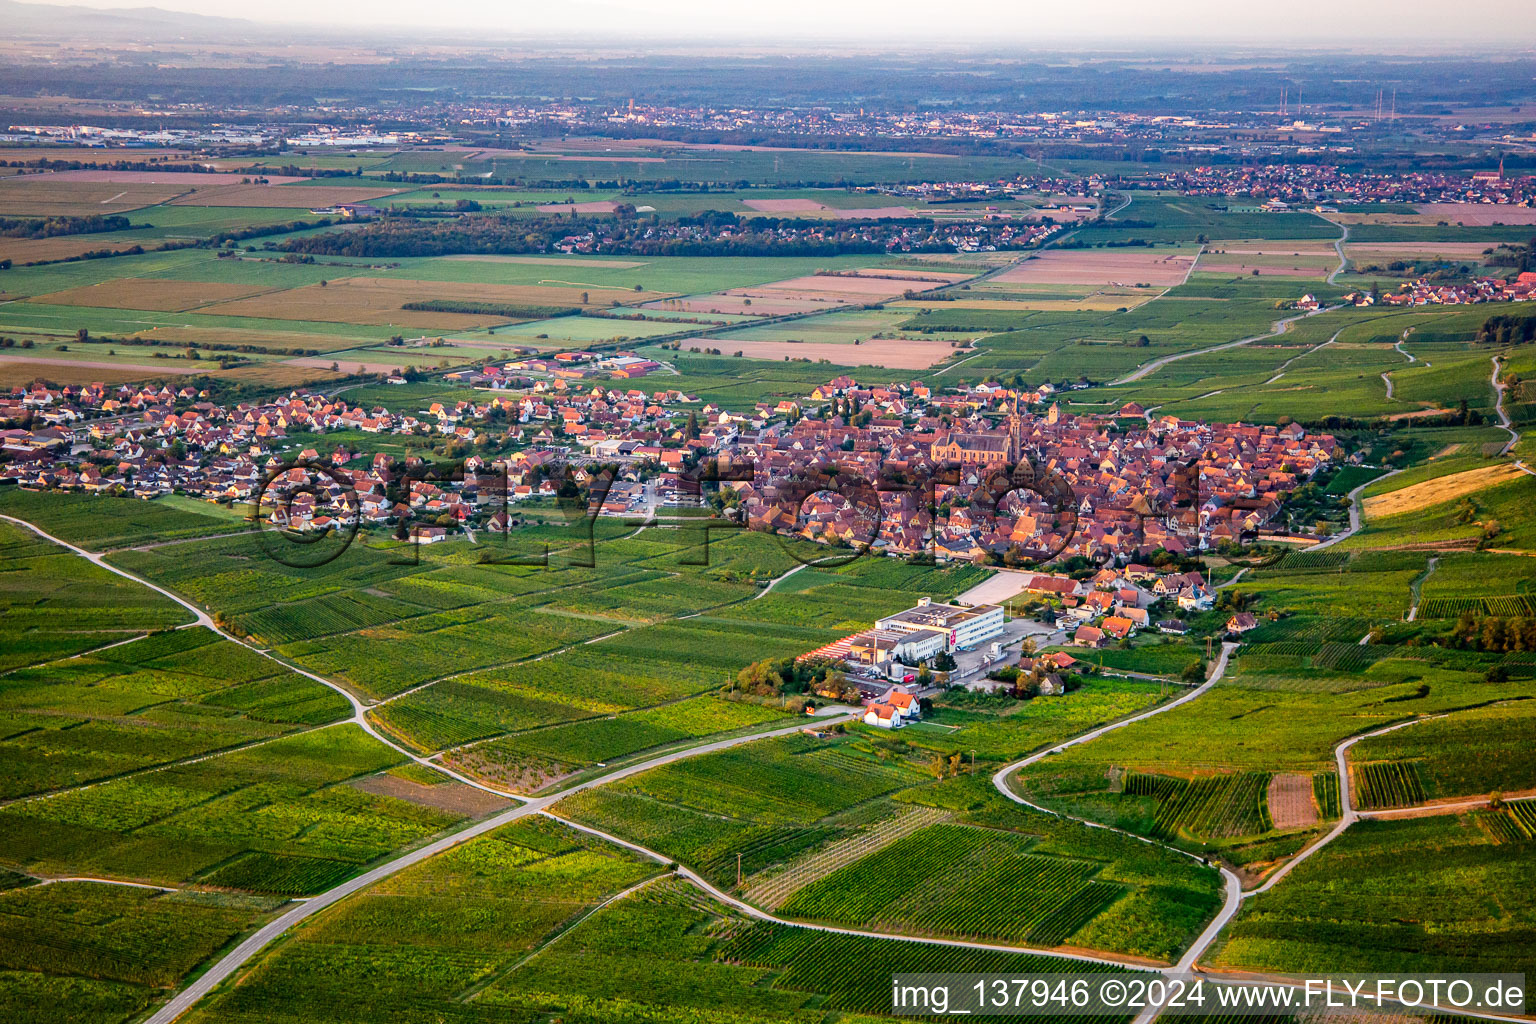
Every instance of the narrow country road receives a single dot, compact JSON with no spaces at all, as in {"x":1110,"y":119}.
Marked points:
{"x":1356,"y":517}
{"x":1234,"y":884}
{"x":1504,"y":421}
{"x":259,"y":940}
{"x":1338,"y":247}
{"x":204,"y":619}
{"x":1278,"y":328}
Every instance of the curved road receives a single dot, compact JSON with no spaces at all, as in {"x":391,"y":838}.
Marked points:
{"x":1234,"y":884}
{"x":1279,"y":328}
{"x":1356,"y":519}
{"x":204,"y":619}
{"x":264,"y":936}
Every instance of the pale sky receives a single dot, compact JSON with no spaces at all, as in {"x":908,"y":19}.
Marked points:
{"x":1507,"y":23}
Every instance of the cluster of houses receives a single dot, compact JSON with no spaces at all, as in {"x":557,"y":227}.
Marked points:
{"x":1120,"y":486}
{"x":921,"y":235}
{"x":1299,"y":182}
{"x":561,"y":366}
{"x":1435,"y":293}
{"x":1114,"y":604}
{"x":1123,"y":485}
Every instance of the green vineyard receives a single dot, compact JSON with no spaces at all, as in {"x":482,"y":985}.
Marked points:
{"x":1383,"y":784}
{"x":1325,"y":790}
{"x":965,"y":881}
{"x":1209,"y":807}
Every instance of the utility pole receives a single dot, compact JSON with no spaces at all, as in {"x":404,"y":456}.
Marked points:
{"x":738,"y":870}
{"x":973,"y":761}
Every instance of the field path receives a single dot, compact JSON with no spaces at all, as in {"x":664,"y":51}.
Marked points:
{"x":1278,"y":328}
{"x":259,"y":940}
{"x":359,"y":716}
{"x":1505,"y":422}
{"x":1356,"y":519}
{"x":1418,"y":585}
{"x":1338,"y":247}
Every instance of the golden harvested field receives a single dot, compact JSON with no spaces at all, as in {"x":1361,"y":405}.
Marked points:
{"x":1438,"y":491}
{"x":1290,"y":801}
{"x":284,"y":197}
{"x":48,"y":195}
{"x":150,"y":293}
{"x":40,"y":250}
{"x":371,"y":300}
{"x":1161,"y":267}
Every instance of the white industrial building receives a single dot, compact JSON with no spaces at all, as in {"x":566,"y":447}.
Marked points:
{"x":961,"y":628}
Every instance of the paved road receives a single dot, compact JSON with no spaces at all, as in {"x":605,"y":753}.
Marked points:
{"x":1504,"y":421}
{"x":1279,"y":328}
{"x":236,"y":958}
{"x":1338,"y":247}
{"x":1356,"y":519}
{"x":1233,"y":883}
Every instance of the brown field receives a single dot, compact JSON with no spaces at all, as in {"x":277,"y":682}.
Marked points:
{"x":829,"y":283}
{"x":371,"y":300}
{"x":40,"y":250}
{"x":890,"y":353}
{"x":748,"y":304}
{"x":259,"y":339}
{"x":602,"y":206}
{"x":1408,"y":250}
{"x":1290,"y":801}
{"x":875,"y":212}
{"x":138,"y":370}
{"x":284,"y":197}
{"x":1094,"y":302}
{"x":46,"y":195}
{"x":447,"y":796}
{"x":1439,"y":491}
{"x":84,"y":156}
{"x":150,"y":293}
{"x":1103,"y":266}
{"x":1479,"y":214}
{"x":191,"y":179}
